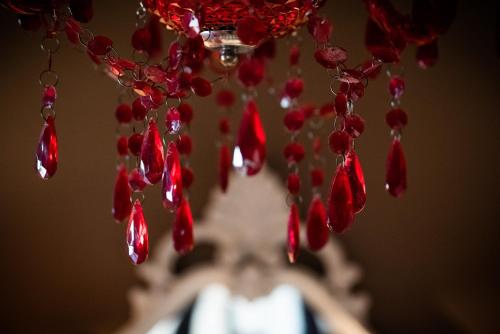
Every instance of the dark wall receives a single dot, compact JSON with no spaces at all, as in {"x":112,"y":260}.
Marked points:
{"x":430,"y":258}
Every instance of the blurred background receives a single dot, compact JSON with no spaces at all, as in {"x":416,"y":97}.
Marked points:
{"x":430,"y":259}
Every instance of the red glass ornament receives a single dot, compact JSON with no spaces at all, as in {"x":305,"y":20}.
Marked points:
{"x":294,"y":152}
{"x":174,"y":55}
{"x":182,"y":230}
{"x":137,"y":235}
{"x":186,"y":113}
{"x":47,"y":152}
{"x":155,"y":30}
{"x":139,"y":110}
{"x":293,"y":241}
{"x":294,"y":87}
{"x":395,"y":177}
{"x":122,"y":205}
{"x":340,"y":203}
{"x":354,"y":125}
{"x":294,"y":120}
{"x":100,"y":45}
{"x":339,"y":141}
{"x":327,"y":110}
{"x":225,"y":98}
{"x":321,"y":29}
{"x":371,"y":69}
{"x":141,"y":39}
{"x":172,"y":179}
{"x":396,"y":86}
{"x":184,"y":144}
{"x":396,"y":118}
{"x":123,"y":113}
{"x":330,"y":57}
{"x":187,"y":177}
{"x":135,"y":143}
{"x":201,"y":87}
{"x":341,"y":104}
{"x":357,"y":180}
{"x":224,"y":126}
{"x":122,"y":145}
{"x":173,"y":120}
{"x":294,"y":56}
{"x":250,"y":151}
{"x":251,"y":72}
{"x":49,"y":96}
{"x":251,"y":30}
{"x":293,"y":183}
{"x":316,"y":227}
{"x":151,"y":157}
{"x":224,"y":167}
{"x":72,"y":30}
{"x":136,"y":180}
{"x":317,"y":177}
{"x":383,"y":46}
{"x":190,"y":24}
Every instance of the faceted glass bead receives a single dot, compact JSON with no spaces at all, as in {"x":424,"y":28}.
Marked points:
{"x":251,"y":30}
{"x":100,"y":45}
{"x":294,"y":87}
{"x":339,"y":141}
{"x":225,"y":98}
{"x":293,"y":241}
{"x":49,"y":96}
{"x":174,"y":55}
{"x":224,"y":126}
{"x":182,"y":230}
{"x":122,"y":206}
{"x":354,"y":125}
{"x":317,"y":177}
{"x":135,"y":143}
{"x":330,"y":57}
{"x":316,"y":227}
{"x":357,"y":180}
{"x":293,"y":183}
{"x":122,"y":145}
{"x":396,"y":86}
{"x":250,"y":151}
{"x":137,"y":235}
{"x":224,"y":167}
{"x":184,"y":144}
{"x":395,"y":177}
{"x":341,"y":104}
{"x":294,"y":120}
{"x":340,"y":203}
{"x":72,"y":30}
{"x":141,"y":39}
{"x":187,"y":177}
{"x":173,"y":120}
{"x":371,"y":69}
{"x":396,"y":118}
{"x":201,"y":87}
{"x":186,"y":113}
{"x":294,"y":56}
{"x":136,"y":180}
{"x":251,"y":72}
{"x":151,"y":157}
{"x":123,"y":113}
{"x":139,"y":110}
{"x":47,"y":152}
{"x":321,"y":29}
{"x":172,"y":179}
{"x":191,"y":24}
{"x":294,"y":152}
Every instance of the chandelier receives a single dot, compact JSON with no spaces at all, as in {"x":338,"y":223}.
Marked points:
{"x":235,"y":41}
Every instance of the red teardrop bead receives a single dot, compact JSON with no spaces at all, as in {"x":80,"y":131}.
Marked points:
{"x":340,"y":204}
{"x":224,"y":167}
{"x":293,"y":241}
{"x":250,"y":150}
{"x":122,"y":206}
{"x":182,"y":230}
{"x":316,"y":228}
{"x":151,"y":163}
{"x":47,"y":152}
{"x":172,"y":179}
{"x":137,"y":235}
{"x":357,"y":180}
{"x":395,"y":177}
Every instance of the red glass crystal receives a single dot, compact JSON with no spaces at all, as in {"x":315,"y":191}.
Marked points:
{"x":354,"y":125}
{"x":330,"y":57}
{"x":123,"y":113}
{"x":371,"y":68}
{"x":396,"y":86}
{"x":316,"y":227}
{"x":354,"y":91}
{"x":321,"y":29}
{"x":100,"y":45}
{"x":427,"y":55}
{"x":293,"y":241}
{"x":293,"y":183}
{"x":172,"y":120}
{"x":186,"y":113}
{"x":225,"y":98}
{"x":174,"y":55}
{"x":47,"y":152}
{"x":136,"y":180}
{"x":151,"y":157}
{"x":251,"y":30}
{"x":294,"y":120}
{"x":317,"y":145}
{"x":139,"y":110}
{"x":184,"y":144}
{"x":317,"y":177}
{"x":294,"y":152}
{"x":251,"y":72}
{"x":224,"y":167}
{"x":339,"y":141}
{"x":395,"y":177}
{"x":190,"y":24}
{"x":294,"y":87}
{"x":340,"y":203}
{"x":182,"y":230}
{"x":341,"y":104}
{"x":250,"y":150}
{"x":135,"y":143}
{"x":294,"y":56}
{"x":224,"y":126}
{"x":396,"y":118}
{"x":141,"y":39}
{"x":72,"y":30}
{"x":49,"y":96}
{"x":172,"y":179}
{"x":187,"y":177}
{"x":137,"y":235}
{"x":122,"y":145}
{"x":327,"y":110}
{"x":357,"y":180}
{"x":201,"y":87}
{"x":156,"y":74}
{"x":122,"y":206}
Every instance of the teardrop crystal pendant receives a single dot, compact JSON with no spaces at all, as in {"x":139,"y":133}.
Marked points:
{"x":340,"y":204}
{"x":357,"y":180}
{"x":317,"y":230}
{"x":224,"y":167}
{"x":293,"y":241}
{"x":137,"y":235}
{"x":122,"y":205}
{"x":47,"y":153}
{"x":395,"y":177}
{"x":151,"y":163}
{"x":171,"y":190}
{"x":250,"y":151}
{"x":182,"y":231}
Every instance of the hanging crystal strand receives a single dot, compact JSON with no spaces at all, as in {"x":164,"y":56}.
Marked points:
{"x":225,"y":100}
{"x":396,"y":118}
{"x":46,"y":158}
